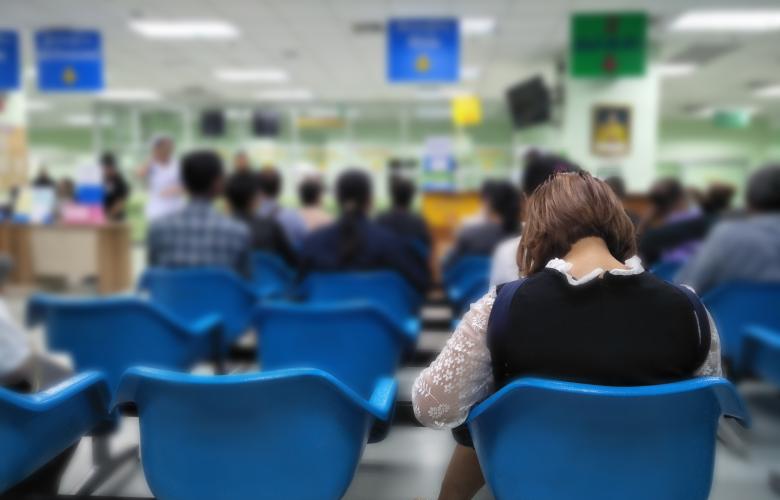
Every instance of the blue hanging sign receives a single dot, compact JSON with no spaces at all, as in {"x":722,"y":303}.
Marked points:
{"x":69,"y":60}
{"x":423,"y":50}
{"x":9,"y":60}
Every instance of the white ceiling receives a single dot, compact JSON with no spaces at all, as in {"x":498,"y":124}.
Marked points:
{"x":314,"y":42}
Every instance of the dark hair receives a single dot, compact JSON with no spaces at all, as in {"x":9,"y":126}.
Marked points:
{"x":309,"y":192}
{"x":401,"y":191}
{"x":567,"y":208}
{"x":107,"y":159}
{"x":201,"y":170}
{"x":617,"y":184}
{"x":763,"y":192}
{"x":717,"y":198}
{"x":269,"y":181}
{"x":665,"y":194}
{"x":504,"y":200}
{"x":353,"y":193}
{"x":540,"y":167}
{"x":241,"y":190}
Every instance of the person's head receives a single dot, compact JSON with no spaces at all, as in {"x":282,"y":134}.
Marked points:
{"x":66,"y":189}
{"x":241,"y":161}
{"x":504,"y":205}
{"x":667,"y":195}
{"x":617,"y":185}
{"x":540,"y":167}
{"x":269,"y":182}
{"x":566,"y":209}
{"x":241,"y":192}
{"x":310,"y":192}
{"x":402,"y":192}
{"x":353,"y":192}
{"x":201,"y":173}
{"x":717,"y":198}
{"x":763,"y":191}
{"x":108,"y":164}
{"x":162,"y":148}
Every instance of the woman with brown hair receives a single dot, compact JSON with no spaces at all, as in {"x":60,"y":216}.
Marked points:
{"x":586,"y":311}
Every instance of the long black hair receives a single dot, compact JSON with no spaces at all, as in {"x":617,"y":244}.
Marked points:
{"x":353,"y":193}
{"x":504,"y":201}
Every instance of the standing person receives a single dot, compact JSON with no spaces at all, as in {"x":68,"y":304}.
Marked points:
{"x":43,"y":179}
{"x":197,"y":235}
{"x":162,"y":177}
{"x":241,"y":162}
{"x":400,"y":218}
{"x":115,"y":188}
{"x":310,"y":196}
{"x":355,"y":243}
{"x":270,"y":182}
{"x":265,"y":233}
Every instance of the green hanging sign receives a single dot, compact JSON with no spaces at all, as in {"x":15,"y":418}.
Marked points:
{"x":608,"y":44}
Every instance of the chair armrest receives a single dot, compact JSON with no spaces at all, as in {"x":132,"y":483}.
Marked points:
{"x":383,"y":398}
{"x":731,"y":404}
{"x":87,"y":381}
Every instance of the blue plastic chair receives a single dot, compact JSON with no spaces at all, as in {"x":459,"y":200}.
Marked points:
{"x":270,"y":275}
{"x":761,"y":353}
{"x":358,"y":344}
{"x":464,"y":267}
{"x":111,"y":335}
{"x":287,"y":434}
{"x":541,"y":439}
{"x":386,"y":290}
{"x":667,"y":270}
{"x":193,"y":293}
{"x":35,"y":428}
{"x":737,"y":305}
{"x":468,"y":292}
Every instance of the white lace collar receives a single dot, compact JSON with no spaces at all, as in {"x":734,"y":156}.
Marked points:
{"x":633,"y":265}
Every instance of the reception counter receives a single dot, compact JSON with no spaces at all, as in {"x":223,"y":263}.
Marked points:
{"x":69,"y":252}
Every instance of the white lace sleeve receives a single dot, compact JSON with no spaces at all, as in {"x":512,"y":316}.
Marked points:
{"x":461,"y":375}
{"x":711,"y":366}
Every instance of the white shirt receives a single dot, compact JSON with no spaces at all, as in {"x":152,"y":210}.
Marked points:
{"x":14,"y":347}
{"x":161,"y":179}
{"x":503,"y":265}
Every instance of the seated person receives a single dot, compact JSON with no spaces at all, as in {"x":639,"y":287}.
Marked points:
{"x":501,"y":220}
{"x":197,"y":235}
{"x":538,"y":168}
{"x":746,"y":249}
{"x":586,"y":312}
{"x":400,"y":218}
{"x":270,"y":182}
{"x":265,"y":233}
{"x":354,"y":242}
{"x":310,"y":196}
{"x":674,"y":227}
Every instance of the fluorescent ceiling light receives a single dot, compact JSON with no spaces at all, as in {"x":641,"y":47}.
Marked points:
{"x":34,"y":106}
{"x":667,"y":70}
{"x":87,"y":120}
{"x":751,"y":20}
{"x":184,"y":29}
{"x":470,"y":73}
{"x":133,"y":95}
{"x":285,"y":95}
{"x":768,"y":92}
{"x":477,"y":26}
{"x":238,"y":75}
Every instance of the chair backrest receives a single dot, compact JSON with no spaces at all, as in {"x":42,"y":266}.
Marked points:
{"x":289,"y":434}
{"x":385,"y":289}
{"x":36,"y":428}
{"x":737,"y":305}
{"x":761,"y":353}
{"x":111,"y":335}
{"x":469,"y":292}
{"x":667,"y":270}
{"x":270,"y":275}
{"x":357,"y":344}
{"x":541,"y":439}
{"x":464,"y":268}
{"x":193,"y":293}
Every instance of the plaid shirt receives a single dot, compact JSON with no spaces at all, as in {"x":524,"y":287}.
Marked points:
{"x":199,"y":236}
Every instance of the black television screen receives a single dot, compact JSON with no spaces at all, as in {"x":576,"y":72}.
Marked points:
{"x":265,"y":124}
{"x":529,"y":102}
{"x":212,"y":123}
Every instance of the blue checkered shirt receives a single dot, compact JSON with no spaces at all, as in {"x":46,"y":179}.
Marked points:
{"x":199,"y":236}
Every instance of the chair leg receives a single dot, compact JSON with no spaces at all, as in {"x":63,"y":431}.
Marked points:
{"x":104,"y":465}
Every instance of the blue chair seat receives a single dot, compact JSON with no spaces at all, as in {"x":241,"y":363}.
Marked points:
{"x":547,"y":440}
{"x":287,"y":434}
{"x":271,"y":276}
{"x":35,"y":428}
{"x":761,"y":353}
{"x":193,"y":293}
{"x":111,"y":335}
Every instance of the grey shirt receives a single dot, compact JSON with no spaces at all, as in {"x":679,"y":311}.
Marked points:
{"x":736,"y":250}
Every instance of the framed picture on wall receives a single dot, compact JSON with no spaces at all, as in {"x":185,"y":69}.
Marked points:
{"x":611,"y":130}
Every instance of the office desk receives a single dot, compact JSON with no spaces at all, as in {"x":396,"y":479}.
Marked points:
{"x":73,"y":253}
